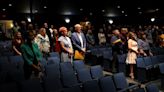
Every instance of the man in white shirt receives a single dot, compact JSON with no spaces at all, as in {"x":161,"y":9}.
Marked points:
{"x":78,"y":39}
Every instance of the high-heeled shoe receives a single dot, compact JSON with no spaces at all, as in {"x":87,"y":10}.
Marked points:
{"x":131,"y":75}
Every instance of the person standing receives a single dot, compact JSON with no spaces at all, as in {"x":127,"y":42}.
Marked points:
{"x":117,"y":45}
{"x":78,"y":41}
{"x":66,"y":45}
{"x":16,"y":43}
{"x":32,"y":56}
{"x":43,"y":42}
{"x":132,"y":52}
{"x":48,"y":32}
{"x":90,"y":39}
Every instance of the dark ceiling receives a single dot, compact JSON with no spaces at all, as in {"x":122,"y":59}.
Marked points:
{"x":109,"y":8}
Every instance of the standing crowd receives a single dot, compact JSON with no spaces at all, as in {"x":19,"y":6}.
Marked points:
{"x":33,"y":44}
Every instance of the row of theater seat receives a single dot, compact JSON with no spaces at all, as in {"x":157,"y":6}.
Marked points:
{"x":114,"y":83}
{"x":148,"y":68}
{"x":66,"y":75}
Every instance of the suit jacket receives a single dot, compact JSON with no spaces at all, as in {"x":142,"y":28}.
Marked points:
{"x":28,"y":54}
{"x":76,"y":41}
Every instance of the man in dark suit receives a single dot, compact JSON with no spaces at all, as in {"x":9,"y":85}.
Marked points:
{"x":78,"y":39}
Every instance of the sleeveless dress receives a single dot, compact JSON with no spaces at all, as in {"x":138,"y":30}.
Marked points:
{"x":132,"y":55}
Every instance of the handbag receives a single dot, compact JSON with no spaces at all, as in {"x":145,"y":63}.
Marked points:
{"x":78,"y":55}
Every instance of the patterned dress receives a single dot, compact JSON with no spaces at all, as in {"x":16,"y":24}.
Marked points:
{"x":132,"y":55}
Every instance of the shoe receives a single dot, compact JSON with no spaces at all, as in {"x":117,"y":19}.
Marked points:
{"x":131,"y":75}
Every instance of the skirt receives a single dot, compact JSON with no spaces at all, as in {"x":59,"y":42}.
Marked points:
{"x":131,"y":58}
{"x":65,"y":57}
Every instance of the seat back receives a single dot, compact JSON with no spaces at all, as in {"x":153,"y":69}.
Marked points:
{"x":154,"y":60}
{"x":31,"y":86}
{"x":78,"y":64}
{"x":120,"y":80}
{"x":107,"y":84}
{"x":152,"y":88}
{"x":73,"y":89}
{"x":52,"y":60}
{"x":69,"y":79}
{"x":147,"y":61}
{"x":52,"y":84}
{"x":91,"y":86}
{"x":9,"y":87}
{"x":52,"y":70}
{"x":96,"y":72}
{"x":140,"y":63}
{"x":161,"y":68}
{"x":66,"y":67}
{"x":84,"y":75}
{"x":122,"y":58}
{"x":54,"y":54}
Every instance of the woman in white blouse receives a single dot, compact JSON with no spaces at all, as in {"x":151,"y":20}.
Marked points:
{"x":66,"y":45}
{"x":101,"y":37}
{"x":43,"y":41}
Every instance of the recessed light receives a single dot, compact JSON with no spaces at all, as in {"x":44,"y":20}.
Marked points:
{"x":67,"y":20}
{"x":45,"y":7}
{"x":110,"y":21}
{"x":91,"y":13}
{"x":122,"y":11}
{"x":140,"y":12}
{"x":126,"y":15}
{"x":118,"y":6}
{"x":36,"y":11}
{"x":10,"y":4}
{"x":81,"y":9}
{"x":152,"y":19}
{"x":157,"y":9}
{"x":4,"y":9}
{"x":139,"y":8}
{"x":103,"y":10}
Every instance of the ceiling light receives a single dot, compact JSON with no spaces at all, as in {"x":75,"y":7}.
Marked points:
{"x":126,"y":15}
{"x":4,"y":9}
{"x":29,"y":19}
{"x":67,"y":13}
{"x":36,"y":11}
{"x":45,"y":7}
{"x":118,"y":6}
{"x":103,"y":10}
{"x":157,"y":9}
{"x":110,"y":21}
{"x":122,"y":11}
{"x":81,"y":9}
{"x":67,"y":20}
{"x":91,"y":13}
{"x":140,"y":12}
{"x":139,"y":8}
{"x":111,"y":14}
{"x":152,"y":19}
{"x":10,"y":4}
